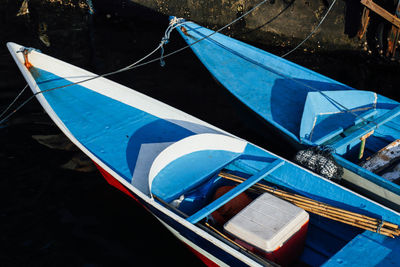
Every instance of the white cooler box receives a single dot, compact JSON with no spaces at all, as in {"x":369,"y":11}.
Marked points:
{"x":271,"y":227}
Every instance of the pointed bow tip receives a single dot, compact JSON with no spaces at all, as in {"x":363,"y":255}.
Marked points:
{"x":13,"y":47}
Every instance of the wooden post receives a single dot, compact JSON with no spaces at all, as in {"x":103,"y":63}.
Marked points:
{"x":382,"y":12}
{"x":362,"y":147}
{"x":393,"y":36}
{"x":364,"y":23}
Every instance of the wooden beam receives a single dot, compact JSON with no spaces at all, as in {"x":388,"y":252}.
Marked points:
{"x":382,"y":12}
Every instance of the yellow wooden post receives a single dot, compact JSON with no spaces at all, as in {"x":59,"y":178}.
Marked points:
{"x":362,"y":146}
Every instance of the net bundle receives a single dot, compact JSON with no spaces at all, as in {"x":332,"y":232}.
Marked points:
{"x":321,"y":161}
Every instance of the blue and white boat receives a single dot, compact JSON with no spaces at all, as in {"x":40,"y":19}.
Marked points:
{"x":170,"y":162}
{"x":359,"y":128}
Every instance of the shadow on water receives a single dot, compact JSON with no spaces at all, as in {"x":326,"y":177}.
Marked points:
{"x":52,"y":216}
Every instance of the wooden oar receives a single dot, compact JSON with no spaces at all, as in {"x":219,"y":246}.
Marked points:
{"x":315,"y":203}
{"x":306,"y":200}
{"x":325,"y":210}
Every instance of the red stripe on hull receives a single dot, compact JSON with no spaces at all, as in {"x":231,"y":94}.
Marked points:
{"x":114,"y":182}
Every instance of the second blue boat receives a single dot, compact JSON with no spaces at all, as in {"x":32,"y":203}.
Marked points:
{"x":360,"y":129}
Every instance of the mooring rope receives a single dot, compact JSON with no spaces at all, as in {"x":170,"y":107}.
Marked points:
{"x":313,"y":31}
{"x":172,"y":25}
{"x":244,"y":57}
{"x":12,"y":103}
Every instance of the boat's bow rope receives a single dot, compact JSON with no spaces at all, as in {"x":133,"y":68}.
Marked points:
{"x":313,"y":31}
{"x":172,"y":25}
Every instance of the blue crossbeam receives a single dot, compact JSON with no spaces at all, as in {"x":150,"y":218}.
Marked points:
{"x":235,"y":191}
{"x":367,"y":128}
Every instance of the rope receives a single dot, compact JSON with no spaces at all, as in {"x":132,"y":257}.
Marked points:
{"x":344,"y":108}
{"x":18,"y":108}
{"x":271,"y":19}
{"x":207,"y":36}
{"x":90,"y":6}
{"x":137,"y":65}
{"x":172,"y":25}
{"x":313,"y":31}
{"x":245,"y":14}
{"x":378,"y":229}
{"x":12,"y":103}
{"x":274,"y":71}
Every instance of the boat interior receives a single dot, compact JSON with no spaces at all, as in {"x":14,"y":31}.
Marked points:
{"x":363,"y":142}
{"x":356,"y":125}
{"x":202,"y":198}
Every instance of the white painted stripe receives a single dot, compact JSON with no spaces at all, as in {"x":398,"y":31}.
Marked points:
{"x":103,"y":86}
{"x":194,"y":143}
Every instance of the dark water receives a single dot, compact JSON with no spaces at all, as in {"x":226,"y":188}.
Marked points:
{"x":51,"y":216}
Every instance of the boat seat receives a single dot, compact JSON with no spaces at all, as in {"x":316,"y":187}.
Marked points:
{"x":191,"y":161}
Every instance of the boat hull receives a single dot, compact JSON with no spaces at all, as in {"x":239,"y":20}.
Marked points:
{"x":204,"y":249}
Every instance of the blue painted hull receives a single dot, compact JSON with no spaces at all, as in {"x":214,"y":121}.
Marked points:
{"x":304,"y":107}
{"x":158,"y":155}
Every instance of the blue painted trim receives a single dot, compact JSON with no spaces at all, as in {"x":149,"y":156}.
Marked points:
{"x":329,"y":136}
{"x":367,"y":249}
{"x":370,"y":176}
{"x":367,"y":128}
{"x":288,"y":133}
{"x":364,"y":116}
{"x":235,"y":191}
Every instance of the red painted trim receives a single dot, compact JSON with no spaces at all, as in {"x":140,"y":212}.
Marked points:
{"x":203,"y":258}
{"x":114,"y":182}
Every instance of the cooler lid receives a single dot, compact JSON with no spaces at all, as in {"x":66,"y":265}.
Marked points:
{"x":267,"y":222}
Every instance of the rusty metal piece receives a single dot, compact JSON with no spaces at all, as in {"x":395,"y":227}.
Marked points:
{"x":364,"y":23}
{"x":365,"y":136}
{"x":183,"y":29}
{"x":27,"y":64}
